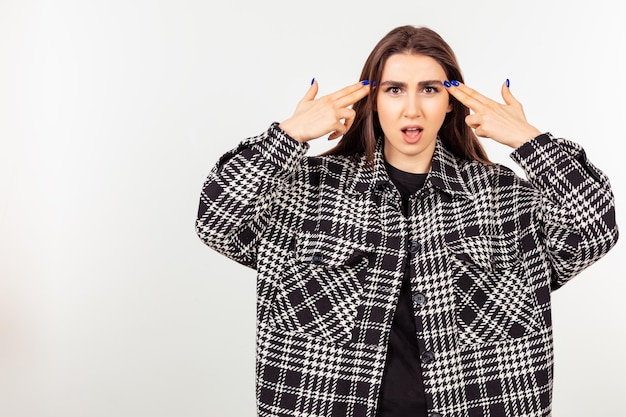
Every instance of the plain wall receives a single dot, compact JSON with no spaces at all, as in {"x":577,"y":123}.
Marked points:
{"x":113,"y":112}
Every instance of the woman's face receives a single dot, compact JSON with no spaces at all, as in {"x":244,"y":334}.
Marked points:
{"x":412,"y":103}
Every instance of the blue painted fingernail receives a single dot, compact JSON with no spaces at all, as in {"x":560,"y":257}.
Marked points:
{"x":455,"y":83}
{"x":447,"y":84}
{"x":313,"y":80}
{"x":373,"y":83}
{"x":365,"y":82}
{"x":508,"y":83}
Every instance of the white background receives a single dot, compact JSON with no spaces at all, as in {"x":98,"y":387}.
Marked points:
{"x":113,"y":112}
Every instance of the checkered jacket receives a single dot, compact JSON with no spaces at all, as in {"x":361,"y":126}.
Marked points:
{"x":329,"y":242}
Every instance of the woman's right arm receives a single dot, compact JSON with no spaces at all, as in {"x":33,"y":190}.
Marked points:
{"x":239,"y":190}
{"x":237,"y":195}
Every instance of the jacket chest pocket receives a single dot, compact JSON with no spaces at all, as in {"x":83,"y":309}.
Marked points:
{"x":320,"y":287}
{"x":493,"y":300}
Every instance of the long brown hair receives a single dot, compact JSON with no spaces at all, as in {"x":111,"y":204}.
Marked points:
{"x":455,"y":134}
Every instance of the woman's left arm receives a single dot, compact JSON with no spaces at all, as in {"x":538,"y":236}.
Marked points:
{"x":577,"y":207}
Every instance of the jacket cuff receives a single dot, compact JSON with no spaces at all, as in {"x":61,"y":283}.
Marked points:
{"x":543,"y":154}
{"x":276,"y":151}
{"x":557,"y":163}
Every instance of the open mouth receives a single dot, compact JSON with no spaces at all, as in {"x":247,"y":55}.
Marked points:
{"x":412,"y":131}
{"x":412,"y":134}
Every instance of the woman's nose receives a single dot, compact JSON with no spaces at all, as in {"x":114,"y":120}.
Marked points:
{"x":412,"y":108}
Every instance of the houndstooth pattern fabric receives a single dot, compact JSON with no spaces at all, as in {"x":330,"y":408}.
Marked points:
{"x":328,"y":240}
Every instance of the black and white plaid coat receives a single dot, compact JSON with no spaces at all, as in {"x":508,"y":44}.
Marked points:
{"x":328,"y":240}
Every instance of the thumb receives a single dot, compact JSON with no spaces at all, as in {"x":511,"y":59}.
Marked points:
{"x":311,"y":92}
{"x":507,"y":95}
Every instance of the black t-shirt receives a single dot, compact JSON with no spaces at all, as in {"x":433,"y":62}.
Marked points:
{"x":402,"y":391}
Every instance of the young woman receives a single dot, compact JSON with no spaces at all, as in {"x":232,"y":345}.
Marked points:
{"x":403,"y":273}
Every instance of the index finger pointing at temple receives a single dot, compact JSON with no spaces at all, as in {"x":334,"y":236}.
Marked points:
{"x":351,"y":94}
{"x":469,"y":97}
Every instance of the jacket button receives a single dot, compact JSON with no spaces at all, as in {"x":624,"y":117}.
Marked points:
{"x":414,"y":246}
{"x":316,"y":258}
{"x":419,"y":299}
{"x":428,"y":357}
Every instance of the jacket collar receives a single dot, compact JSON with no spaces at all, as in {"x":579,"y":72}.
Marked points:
{"x":445,"y":173}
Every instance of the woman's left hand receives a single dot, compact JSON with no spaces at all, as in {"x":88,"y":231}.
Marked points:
{"x":504,"y":123}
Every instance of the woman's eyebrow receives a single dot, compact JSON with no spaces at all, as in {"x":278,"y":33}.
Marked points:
{"x":430,"y":82}
{"x":393,"y":84}
{"x":402,"y":84}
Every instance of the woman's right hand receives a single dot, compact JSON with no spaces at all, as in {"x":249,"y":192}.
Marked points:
{"x":332,"y":113}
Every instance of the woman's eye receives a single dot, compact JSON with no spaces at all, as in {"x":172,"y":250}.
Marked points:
{"x":430,"y":90}
{"x":394,"y":90}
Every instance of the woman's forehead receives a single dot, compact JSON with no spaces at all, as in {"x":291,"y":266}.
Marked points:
{"x":409,"y":65}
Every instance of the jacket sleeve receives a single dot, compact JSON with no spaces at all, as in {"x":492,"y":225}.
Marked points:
{"x":239,"y":190}
{"x":577,"y":208}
